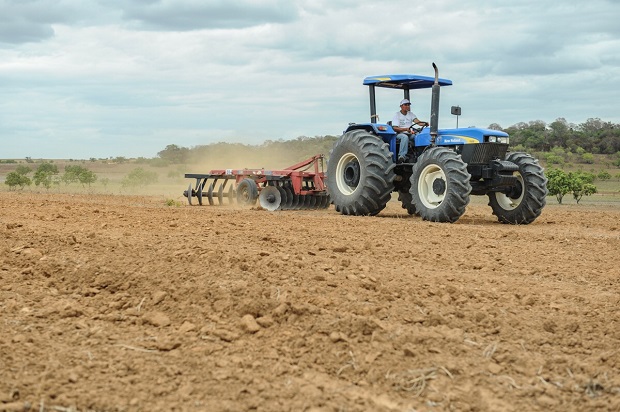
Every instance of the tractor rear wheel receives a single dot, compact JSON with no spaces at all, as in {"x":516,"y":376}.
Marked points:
{"x":440,"y":185}
{"x":360,"y":174}
{"x":247,"y":192}
{"x":525,"y":202}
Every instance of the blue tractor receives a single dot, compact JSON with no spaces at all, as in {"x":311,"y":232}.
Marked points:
{"x":443,"y":167}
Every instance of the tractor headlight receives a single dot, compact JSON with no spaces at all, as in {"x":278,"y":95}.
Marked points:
{"x":498,"y":139}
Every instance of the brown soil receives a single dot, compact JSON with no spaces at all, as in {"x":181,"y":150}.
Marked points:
{"x":118,"y":303}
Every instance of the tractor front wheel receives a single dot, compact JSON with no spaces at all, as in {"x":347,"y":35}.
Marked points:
{"x":440,"y":185}
{"x":526,"y":200}
{"x":360,"y":174}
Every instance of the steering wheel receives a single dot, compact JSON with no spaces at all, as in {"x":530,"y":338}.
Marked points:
{"x":415,"y":130}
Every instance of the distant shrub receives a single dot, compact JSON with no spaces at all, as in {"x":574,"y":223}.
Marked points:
{"x":587,"y":158}
{"x":15,"y":179}
{"x":554,"y":159}
{"x":603,"y":175}
{"x":139,"y":177}
{"x":45,"y":174}
{"x":172,"y":202}
{"x":75,"y":173}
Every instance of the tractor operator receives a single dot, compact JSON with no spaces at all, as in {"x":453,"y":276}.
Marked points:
{"x":402,"y":122}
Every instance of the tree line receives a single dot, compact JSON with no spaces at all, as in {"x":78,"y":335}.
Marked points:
{"x":592,"y":136}
{"x":47,"y":175}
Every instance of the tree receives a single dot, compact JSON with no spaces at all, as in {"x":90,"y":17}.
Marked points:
{"x":23,"y":170}
{"x":87,"y":177}
{"x":581,"y":184}
{"x":559,"y":183}
{"x":174,"y":154}
{"x":14,"y":179}
{"x":44,"y":174}
{"x":76,"y":173}
{"x":559,"y":133}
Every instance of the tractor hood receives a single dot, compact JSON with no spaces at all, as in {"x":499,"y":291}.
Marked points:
{"x":446,"y":137}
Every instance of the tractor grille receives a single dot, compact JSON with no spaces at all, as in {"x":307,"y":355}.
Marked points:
{"x":483,"y":153}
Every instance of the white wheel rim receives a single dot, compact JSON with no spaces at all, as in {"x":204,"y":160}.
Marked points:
{"x":429,"y":175}
{"x":344,"y":188}
{"x":507,"y":202}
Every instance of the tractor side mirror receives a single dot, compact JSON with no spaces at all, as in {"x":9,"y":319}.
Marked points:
{"x":456,"y":110}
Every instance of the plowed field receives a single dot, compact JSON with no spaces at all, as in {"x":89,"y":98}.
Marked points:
{"x":120,"y":303}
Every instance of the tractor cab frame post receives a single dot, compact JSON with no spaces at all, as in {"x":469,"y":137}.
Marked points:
{"x":374,"y":117}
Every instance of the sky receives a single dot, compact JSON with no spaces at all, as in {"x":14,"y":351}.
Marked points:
{"x":106,"y":78}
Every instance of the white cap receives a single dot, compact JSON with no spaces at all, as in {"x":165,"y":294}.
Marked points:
{"x":404,"y":101}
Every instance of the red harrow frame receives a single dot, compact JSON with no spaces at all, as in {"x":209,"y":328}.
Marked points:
{"x":300,"y":186}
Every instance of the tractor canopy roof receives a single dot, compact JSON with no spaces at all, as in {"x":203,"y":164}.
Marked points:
{"x":404,"y":81}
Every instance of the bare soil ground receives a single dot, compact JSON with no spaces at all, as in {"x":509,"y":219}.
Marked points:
{"x":118,"y":303}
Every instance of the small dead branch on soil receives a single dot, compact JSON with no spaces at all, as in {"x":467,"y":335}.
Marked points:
{"x":489,"y":351}
{"x":446,"y":371}
{"x":63,"y":409}
{"x":350,"y":364}
{"x":140,"y":304}
{"x":510,"y":380}
{"x":415,"y":380}
{"x":136,"y":348}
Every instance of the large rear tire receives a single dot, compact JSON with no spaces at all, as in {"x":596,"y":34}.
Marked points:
{"x":440,"y":185}
{"x":360,"y":174}
{"x":526,"y":201}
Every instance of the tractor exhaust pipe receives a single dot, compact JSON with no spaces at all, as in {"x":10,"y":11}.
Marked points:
{"x":435,"y":106}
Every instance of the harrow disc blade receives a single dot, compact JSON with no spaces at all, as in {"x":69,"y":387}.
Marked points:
{"x":210,"y":194}
{"x":326,"y":201}
{"x":199,"y":194}
{"x":189,"y":194}
{"x":270,"y":198}
{"x":290,"y":197}
{"x":313,"y":201}
{"x":220,"y":195}
{"x":283,"y":197}
{"x":231,"y":195}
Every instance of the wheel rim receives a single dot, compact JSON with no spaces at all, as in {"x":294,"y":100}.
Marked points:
{"x":507,"y":202}
{"x":432,"y":186}
{"x":348,"y":174}
{"x":245,"y":195}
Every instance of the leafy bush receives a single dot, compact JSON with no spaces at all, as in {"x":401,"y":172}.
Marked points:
{"x":45,"y":174}
{"x":581,"y":184}
{"x":603,"y":175}
{"x":553,"y":159}
{"x":78,"y":174}
{"x":139,"y":177}
{"x":558,"y":183}
{"x":23,"y":170}
{"x":15,"y":179}
{"x":587,"y":158}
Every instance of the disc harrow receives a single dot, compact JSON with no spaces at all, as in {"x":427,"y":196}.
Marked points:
{"x":300,"y":186}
